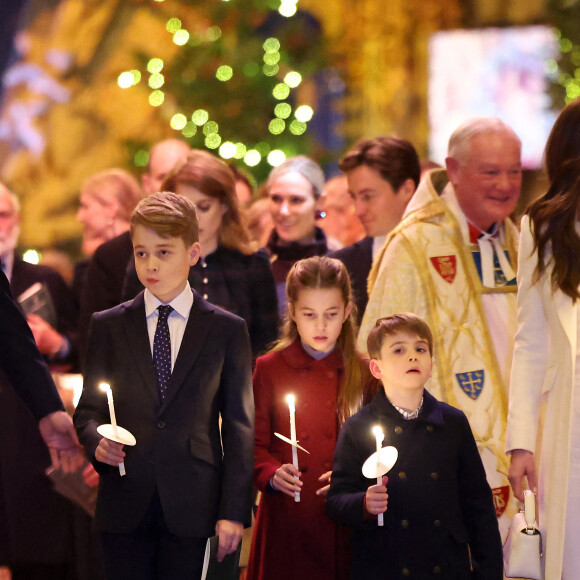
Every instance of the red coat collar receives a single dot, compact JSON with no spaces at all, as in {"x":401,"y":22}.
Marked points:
{"x":296,"y":357}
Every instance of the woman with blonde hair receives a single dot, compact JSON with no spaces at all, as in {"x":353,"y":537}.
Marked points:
{"x":107,"y":201}
{"x":294,"y":190}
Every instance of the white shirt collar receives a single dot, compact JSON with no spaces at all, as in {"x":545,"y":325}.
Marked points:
{"x":8,"y":264}
{"x":378,"y":242}
{"x":181,"y":304}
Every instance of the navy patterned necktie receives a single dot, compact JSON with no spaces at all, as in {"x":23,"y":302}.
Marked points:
{"x":162,"y":350}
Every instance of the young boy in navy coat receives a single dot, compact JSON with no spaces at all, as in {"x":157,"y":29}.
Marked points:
{"x":439,"y":516}
{"x":173,"y":373}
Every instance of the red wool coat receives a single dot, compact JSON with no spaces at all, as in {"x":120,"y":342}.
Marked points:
{"x":296,"y":541}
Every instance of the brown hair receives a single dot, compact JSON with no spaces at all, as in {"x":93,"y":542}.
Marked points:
{"x":212,"y":177}
{"x":555,"y":214}
{"x":323,"y":272}
{"x":114,"y":184}
{"x":391,"y":325}
{"x":395,"y":159}
{"x":168,"y":215}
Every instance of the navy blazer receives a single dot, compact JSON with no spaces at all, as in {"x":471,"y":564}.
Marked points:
{"x":358,"y":259}
{"x":440,"y":507}
{"x":200,"y":476}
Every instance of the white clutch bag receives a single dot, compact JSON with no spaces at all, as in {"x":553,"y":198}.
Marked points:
{"x":522,"y":551}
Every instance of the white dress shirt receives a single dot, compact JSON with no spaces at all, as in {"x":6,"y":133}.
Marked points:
{"x":177,"y":320}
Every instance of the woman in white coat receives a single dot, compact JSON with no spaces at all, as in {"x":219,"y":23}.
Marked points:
{"x":543,"y":430}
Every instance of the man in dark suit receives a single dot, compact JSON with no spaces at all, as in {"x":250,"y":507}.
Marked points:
{"x":108,"y":266}
{"x":56,"y":339}
{"x":29,"y":376}
{"x":185,"y":479}
{"x":382,"y":173}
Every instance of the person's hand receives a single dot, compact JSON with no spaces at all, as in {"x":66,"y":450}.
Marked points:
{"x":110,"y":452}
{"x":90,"y":475}
{"x":324,"y":478}
{"x":376,"y":498}
{"x":284,"y":479}
{"x":229,"y":536}
{"x":5,"y":573}
{"x":47,"y":339}
{"x":522,"y":463}
{"x":59,"y":434}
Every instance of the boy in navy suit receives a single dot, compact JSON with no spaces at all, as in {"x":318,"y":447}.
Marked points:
{"x":176,"y":365}
{"x":439,"y":516}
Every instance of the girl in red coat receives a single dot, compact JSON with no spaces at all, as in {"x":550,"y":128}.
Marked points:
{"x":316,"y":362}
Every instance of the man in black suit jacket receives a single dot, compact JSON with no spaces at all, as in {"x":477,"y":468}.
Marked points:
{"x":358,"y":259}
{"x":382,"y":173}
{"x":57,"y":339}
{"x":185,"y":473}
{"x":30,"y":378}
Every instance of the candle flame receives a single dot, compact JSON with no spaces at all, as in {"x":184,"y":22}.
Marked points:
{"x":377,"y":430}
{"x":104,"y":387}
{"x":290,"y":399}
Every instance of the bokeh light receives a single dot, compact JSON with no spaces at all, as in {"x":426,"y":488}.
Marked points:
{"x":224,"y":73}
{"x":212,"y":141}
{"x":126,"y":79}
{"x":173,"y":25}
{"x":276,"y":126}
{"x":287,"y":8}
{"x":282,"y":110}
{"x":178,"y":121}
{"x":271,"y":45}
{"x":272,"y":58}
{"x":210,"y":127}
{"x":252,"y":158}
{"x":189,"y":130}
{"x":276,"y":157}
{"x":155,"y":65}
{"x":141,"y":158}
{"x":227,"y":150}
{"x":213,"y":33}
{"x":156,"y":98}
{"x":270,"y":70}
{"x":281,"y":91}
{"x":304,"y":113}
{"x":181,"y":37}
{"x":32,"y":256}
{"x":297,"y":127}
{"x":156,"y":81}
{"x":240,"y":151}
{"x":293,"y":79}
{"x":200,"y":117}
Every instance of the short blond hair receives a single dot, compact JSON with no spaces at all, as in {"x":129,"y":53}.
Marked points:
{"x":169,"y":215}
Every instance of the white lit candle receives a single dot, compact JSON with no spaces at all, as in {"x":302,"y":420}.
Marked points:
{"x":292,"y":408}
{"x":107,"y":388}
{"x":379,"y":436}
